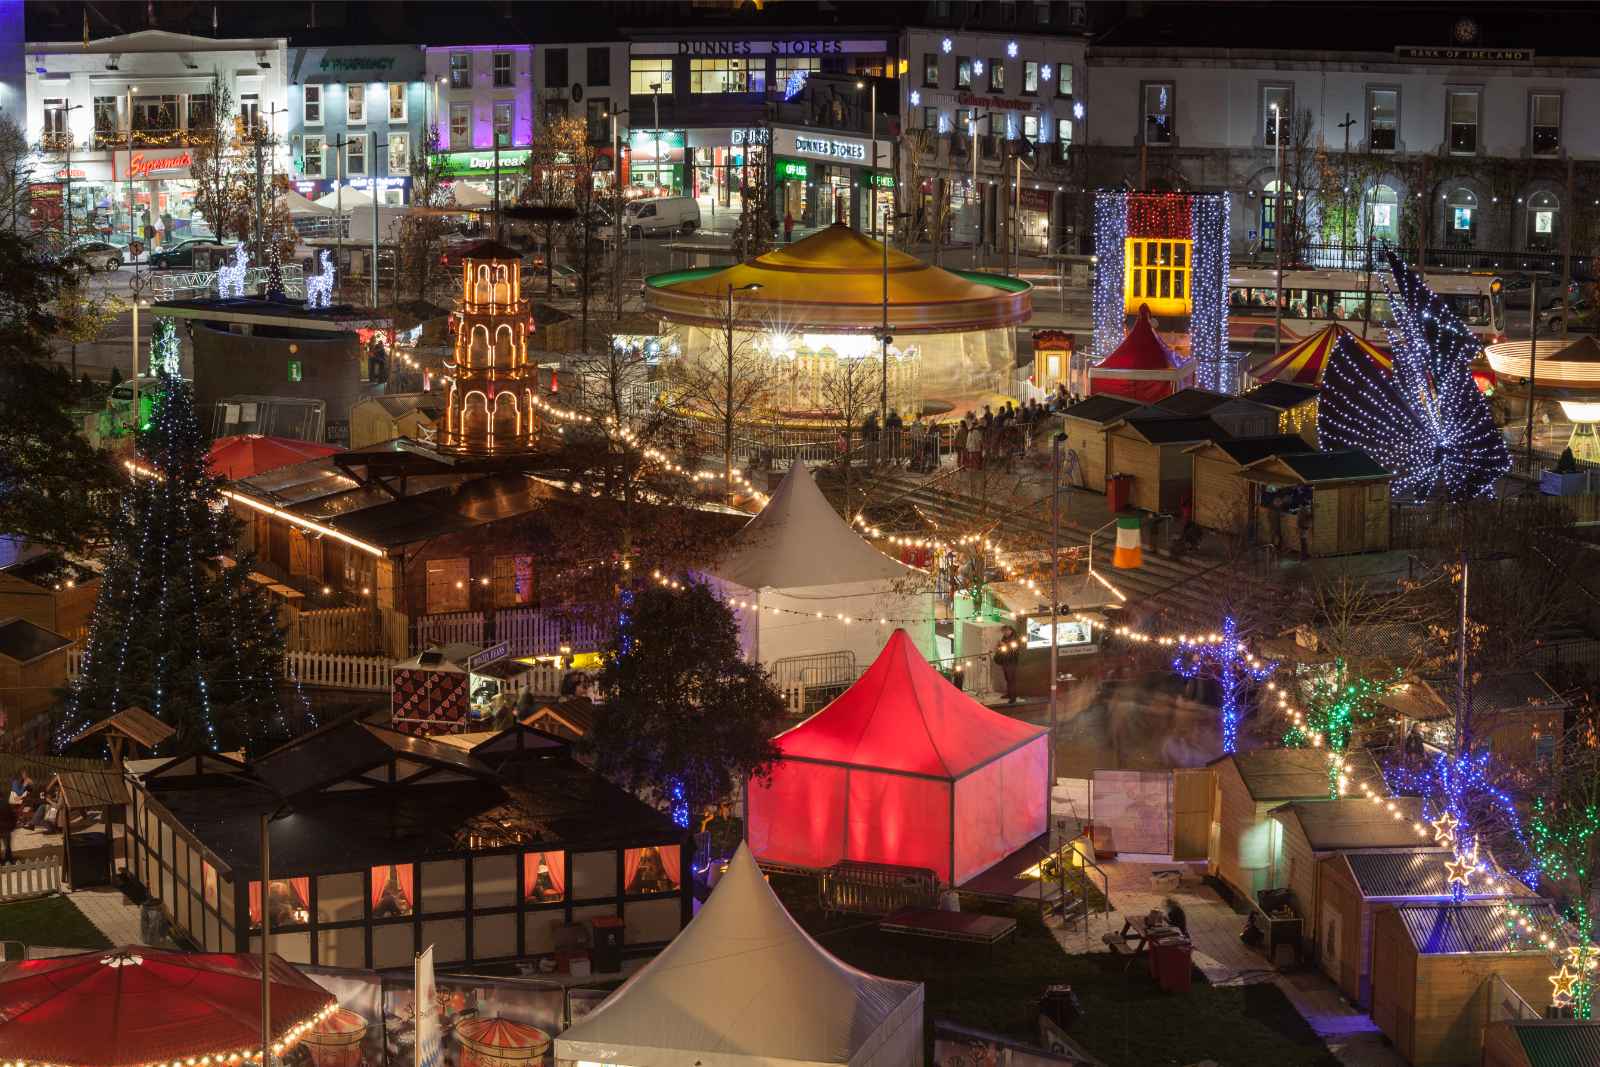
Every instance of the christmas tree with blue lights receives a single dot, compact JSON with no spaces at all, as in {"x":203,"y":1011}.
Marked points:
{"x":176,"y":630}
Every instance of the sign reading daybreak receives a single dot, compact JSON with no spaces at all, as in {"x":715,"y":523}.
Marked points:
{"x":818,"y":146}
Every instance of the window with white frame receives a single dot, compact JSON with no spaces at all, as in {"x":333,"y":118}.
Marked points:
{"x":355,"y":103}
{"x":397,"y":101}
{"x":311,"y":105}
{"x":963,"y":72}
{"x":930,"y":69}
{"x":997,"y":75}
{"x":1063,"y":137}
{"x":1158,"y":124}
{"x":504,"y":116}
{"x":1277,"y":114}
{"x":1544,"y":134}
{"x":644,"y":73}
{"x":502,"y":70}
{"x":399,"y":153}
{"x":460,"y":125}
{"x":356,"y":155}
{"x":250,"y":111}
{"x":791,"y":65}
{"x":311,"y":156}
{"x":55,"y":116}
{"x":460,"y":70}
{"x":930,"y":118}
{"x":1030,"y":77}
{"x":1030,"y":127}
{"x":1462,"y":114}
{"x":721,"y":75}
{"x":1383,"y":119}
{"x":1063,"y":79}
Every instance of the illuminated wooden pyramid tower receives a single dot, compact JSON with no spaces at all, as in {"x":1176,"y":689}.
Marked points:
{"x":490,"y":395}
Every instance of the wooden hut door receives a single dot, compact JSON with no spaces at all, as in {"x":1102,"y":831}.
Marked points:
{"x":1352,"y":522}
{"x":1191,"y":813}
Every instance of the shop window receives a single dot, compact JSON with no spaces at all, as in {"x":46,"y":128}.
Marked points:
{"x":1158,"y":124}
{"x":504,"y":115}
{"x":555,"y":68}
{"x":397,"y":101}
{"x":594,"y":875}
{"x":494,"y":882}
{"x":1030,"y":77}
{"x":342,"y":948}
{"x":448,"y":585}
{"x":399,"y":154}
{"x":356,"y":155}
{"x":599,"y":66}
{"x":1277,"y":113}
{"x":963,"y":72}
{"x":311,"y":156}
{"x":1383,"y":213}
{"x":444,"y":887}
{"x":460,"y":70}
{"x":355,"y":103}
{"x":788,"y":66}
{"x":721,"y":75}
{"x":513,"y":581}
{"x":647,"y":76}
{"x":1462,"y":107}
{"x":1461,"y":218}
{"x":296,"y":371}
{"x":311,"y":105}
{"x":288,"y":902}
{"x":394,"y":891}
{"x":105,"y":119}
{"x":339,"y":898}
{"x":201,"y":115}
{"x":930,"y":69}
{"x":1545,"y":133}
{"x":1156,"y":273}
{"x":1542,"y":222}
{"x":393,"y":945}
{"x":460,"y":125}
{"x":651,"y":870}
{"x":997,"y":76}
{"x":544,"y":877}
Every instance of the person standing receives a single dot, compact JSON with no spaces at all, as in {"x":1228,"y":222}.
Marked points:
{"x":1005,"y":657}
{"x":960,"y":443}
{"x":788,"y":226}
{"x":8,"y":826}
{"x":892,"y":426}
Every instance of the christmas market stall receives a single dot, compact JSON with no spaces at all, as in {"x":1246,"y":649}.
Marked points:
{"x":1434,"y":972}
{"x":1295,"y":405}
{"x":1313,"y":830}
{"x":1224,"y":499}
{"x":902,"y":769}
{"x":1239,"y":416}
{"x":454,"y":688}
{"x":745,"y":986}
{"x":382,"y":843}
{"x":1151,"y":450}
{"x":1346,"y":492}
{"x":1540,"y":1042}
{"x":1085,"y":424}
{"x":1304,"y":362}
{"x":49,"y":590}
{"x":1143,"y":367}
{"x":33,"y":667}
{"x":143,"y":1005}
{"x":243,"y":455}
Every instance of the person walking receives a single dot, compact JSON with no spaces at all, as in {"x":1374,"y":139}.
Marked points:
{"x":892,"y":426}
{"x":960,"y":443}
{"x":1005,"y":657}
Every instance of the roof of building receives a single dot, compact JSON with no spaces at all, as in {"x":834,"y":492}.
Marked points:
{"x":1313,"y":468}
{"x":92,"y":789}
{"x":1474,"y":927}
{"x":1514,"y":691}
{"x":1102,"y":408}
{"x":47,"y":569}
{"x":1304,"y":362}
{"x":1295,"y":773}
{"x":1412,"y":872}
{"x":22,"y":641}
{"x":487,"y":249}
{"x":1330,"y":825}
{"x":1282,"y":395}
{"x":1193,"y":401}
{"x":134,"y":723}
{"x":579,"y":714}
{"x":1172,"y":430}
{"x":1557,"y":1042}
{"x":1247,"y":450}
{"x":1141,"y":350}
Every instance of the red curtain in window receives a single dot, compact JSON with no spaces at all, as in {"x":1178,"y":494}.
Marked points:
{"x":255,"y":903}
{"x":301,"y":887}
{"x":405,"y":875}
{"x":630,"y":867}
{"x":380,"y":882}
{"x":555,"y":866}
{"x":669,"y":863}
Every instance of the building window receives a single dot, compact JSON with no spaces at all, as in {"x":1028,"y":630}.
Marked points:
{"x":599,"y":64}
{"x":930,"y":69}
{"x":55,"y":116}
{"x":599,"y":110}
{"x":200,"y":116}
{"x":1158,"y":125}
{"x":500,"y":65}
{"x":397,"y":101}
{"x":513,"y":581}
{"x":1383,"y":114}
{"x":296,"y":371}
{"x":1545,"y":134}
{"x":1063,"y":139}
{"x":399,"y":153}
{"x":460,"y":125}
{"x":997,"y":75}
{"x":504,"y":113}
{"x":394,"y":891}
{"x":789,"y":66}
{"x":1269,"y":216}
{"x":544,"y":877}
{"x":355,"y":106}
{"x":105,"y":118}
{"x":1277,"y":113}
{"x":1030,"y":127}
{"x":311,"y":156}
{"x":644,"y":74}
{"x":555,"y":108}
{"x":727,"y":75}
{"x":1157,"y":274}
{"x":930,"y":118}
{"x":447,"y":585}
{"x":1543,"y":209}
{"x":1462,"y":105}
{"x":460,"y":70}
{"x":1063,"y":79}
{"x":555,"y":68}
{"x":963,"y":72}
{"x":1041,"y":13}
{"x":1461,"y":218}
{"x":1030,"y":77}
{"x":651,"y":870}
{"x":311,"y":105}
{"x":356,"y":155}
{"x":155,"y":114}
{"x":1383,"y":213}
{"x":250,"y":112}
{"x":288,"y":902}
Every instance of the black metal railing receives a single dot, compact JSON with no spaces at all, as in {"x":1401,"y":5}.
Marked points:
{"x":1357,"y":257}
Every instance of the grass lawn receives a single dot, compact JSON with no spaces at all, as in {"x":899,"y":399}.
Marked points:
{"x":1127,"y":1021}
{"x":52,"y":921}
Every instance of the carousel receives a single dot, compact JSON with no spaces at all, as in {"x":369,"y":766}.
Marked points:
{"x":810,"y":317}
{"x":1566,"y":377}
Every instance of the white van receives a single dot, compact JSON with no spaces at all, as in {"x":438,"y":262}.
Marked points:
{"x":667,"y":214}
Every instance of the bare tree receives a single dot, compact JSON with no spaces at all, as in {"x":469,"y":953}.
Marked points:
{"x":930,"y":215}
{"x":419,"y":234}
{"x":221,"y":176}
{"x":550,"y":185}
{"x":753,"y":237}
{"x":848,"y":392}
{"x":16,"y":175}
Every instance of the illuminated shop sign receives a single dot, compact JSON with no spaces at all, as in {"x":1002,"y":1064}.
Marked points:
{"x":819,"y":146}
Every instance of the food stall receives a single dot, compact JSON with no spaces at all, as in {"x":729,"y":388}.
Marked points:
{"x":454,"y":688}
{"x":1081,"y":628}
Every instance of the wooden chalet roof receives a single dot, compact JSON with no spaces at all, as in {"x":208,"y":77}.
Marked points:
{"x":1295,"y":773}
{"x":92,"y":789}
{"x":134,"y":723}
{"x":1355,"y":822}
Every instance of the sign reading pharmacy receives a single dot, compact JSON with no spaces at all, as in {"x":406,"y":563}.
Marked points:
{"x":468,"y":164}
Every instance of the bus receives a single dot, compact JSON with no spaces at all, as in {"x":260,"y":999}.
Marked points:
{"x":1313,"y":298}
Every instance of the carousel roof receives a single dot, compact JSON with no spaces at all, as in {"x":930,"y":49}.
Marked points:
{"x":833,"y":282}
{"x":1563,"y":365}
{"x":1303,"y":362}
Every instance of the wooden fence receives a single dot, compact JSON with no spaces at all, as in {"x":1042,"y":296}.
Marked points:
{"x":1425,"y":525}
{"x":350,"y":630}
{"x":333,"y":670}
{"x":35,"y":877}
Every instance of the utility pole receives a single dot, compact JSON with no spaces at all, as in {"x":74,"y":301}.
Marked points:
{"x":1344,"y":217}
{"x":372,"y":187}
{"x":1277,"y":227}
{"x":339,"y":220}
{"x":1055,"y":586}
{"x":1533,"y":357}
{"x":131,"y":238}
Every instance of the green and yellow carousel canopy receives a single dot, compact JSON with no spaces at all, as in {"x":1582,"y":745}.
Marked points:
{"x":832,"y":282}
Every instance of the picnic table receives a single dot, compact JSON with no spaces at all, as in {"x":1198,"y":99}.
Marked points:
{"x":1138,"y":931}
{"x":950,"y":925}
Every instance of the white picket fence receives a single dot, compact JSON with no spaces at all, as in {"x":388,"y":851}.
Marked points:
{"x":530,"y":632}
{"x":30,"y":878}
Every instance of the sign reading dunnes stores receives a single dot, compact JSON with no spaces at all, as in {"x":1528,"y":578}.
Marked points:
{"x":823,"y":146}
{"x":812,"y":46}
{"x":1431,"y":54}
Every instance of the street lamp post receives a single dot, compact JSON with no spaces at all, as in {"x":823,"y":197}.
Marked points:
{"x":727,"y":410}
{"x":1055,"y":584}
{"x":131,"y":90}
{"x":1277,"y":226}
{"x":616,"y":208}
{"x":66,"y":133}
{"x":655,"y":98}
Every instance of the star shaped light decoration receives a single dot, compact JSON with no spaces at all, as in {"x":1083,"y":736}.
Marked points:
{"x":1563,"y":981}
{"x":1459,"y":869}
{"x":1584,"y":957}
{"x":1444,"y":829}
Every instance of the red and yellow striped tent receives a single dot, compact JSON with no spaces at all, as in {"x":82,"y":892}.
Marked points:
{"x":1303,"y":362}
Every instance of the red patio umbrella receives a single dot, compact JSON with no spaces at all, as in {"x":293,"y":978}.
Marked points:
{"x":246,"y":454}
{"x":141,"y":1007}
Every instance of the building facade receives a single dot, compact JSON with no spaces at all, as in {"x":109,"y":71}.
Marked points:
{"x":482,"y":108}
{"x":116,"y":121}
{"x":356,"y":116}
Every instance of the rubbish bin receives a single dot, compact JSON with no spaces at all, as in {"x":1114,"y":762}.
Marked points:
{"x":1060,"y":1005}
{"x":152,"y":923}
{"x":1171,"y":964}
{"x":1118,"y":488}
{"x":606,"y":952}
{"x":89,"y":859}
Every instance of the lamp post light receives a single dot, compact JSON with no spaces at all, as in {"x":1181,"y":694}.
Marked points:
{"x":131,"y":90}
{"x":655,"y":99}
{"x":727,"y":410}
{"x":1056,"y":444}
{"x":616,"y":207}
{"x":1277,"y":227}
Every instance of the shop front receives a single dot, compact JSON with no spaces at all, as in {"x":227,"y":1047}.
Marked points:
{"x":479,"y":170}
{"x":830,"y":177}
{"x":656,"y":162}
{"x":150,"y":197}
{"x":717,"y":161}
{"x":1034,"y":210}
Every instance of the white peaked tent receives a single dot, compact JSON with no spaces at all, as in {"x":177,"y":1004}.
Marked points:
{"x":799,"y":557}
{"x":298,"y":206}
{"x":346,"y":199}
{"x":468,"y":196}
{"x":744,"y":986}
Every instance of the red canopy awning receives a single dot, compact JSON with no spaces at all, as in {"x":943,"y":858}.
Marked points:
{"x":247,"y":454}
{"x":137,"y":1006}
{"x":1143,"y":367}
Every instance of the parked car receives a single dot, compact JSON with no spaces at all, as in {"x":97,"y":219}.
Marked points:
{"x":182,"y":253}
{"x":1519,"y":293}
{"x":1585,"y":319}
{"x":663,"y":215}
{"x":98,"y":255}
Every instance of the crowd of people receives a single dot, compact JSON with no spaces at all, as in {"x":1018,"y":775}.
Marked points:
{"x":994,"y":438}
{"x":29,"y":808}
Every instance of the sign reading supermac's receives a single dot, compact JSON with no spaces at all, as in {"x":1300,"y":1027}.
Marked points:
{"x":150,"y":163}
{"x":733,"y":46}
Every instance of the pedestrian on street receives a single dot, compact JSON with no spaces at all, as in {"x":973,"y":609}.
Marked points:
{"x":892,"y":425}
{"x":788,"y":226}
{"x":1005,"y":657}
{"x":960,"y":442}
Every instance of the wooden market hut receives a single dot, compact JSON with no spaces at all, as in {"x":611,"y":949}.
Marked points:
{"x":89,"y":856}
{"x":1349,"y":497}
{"x":571,"y":718}
{"x":1085,"y":424}
{"x":130,"y":726}
{"x":1541,"y":1043}
{"x":1246,"y":841}
{"x":1295,"y":405}
{"x":1517,"y":712}
{"x":1353,"y":885}
{"x":1433,"y":975}
{"x":1153,"y":451}
{"x":1313,"y":831}
{"x":51,"y":591}
{"x":33,"y":666}
{"x":1224,"y":499}
{"x":1238,"y":415}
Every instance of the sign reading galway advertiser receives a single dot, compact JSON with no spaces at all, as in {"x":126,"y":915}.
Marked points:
{"x":1432,"y":54}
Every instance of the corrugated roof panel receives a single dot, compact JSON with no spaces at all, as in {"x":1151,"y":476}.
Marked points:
{"x":1440,"y":929}
{"x":1558,"y":1043}
{"x":1417,"y":873}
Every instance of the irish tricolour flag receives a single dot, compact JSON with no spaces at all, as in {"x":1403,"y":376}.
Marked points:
{"x":1127,"y":554}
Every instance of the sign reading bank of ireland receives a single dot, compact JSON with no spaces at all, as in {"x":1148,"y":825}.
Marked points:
{"x":826,"y":146}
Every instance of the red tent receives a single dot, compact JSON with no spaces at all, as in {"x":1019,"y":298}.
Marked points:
{"x":1142,"y":367}
{"x":903,"y":768}
{"x":141,"y":1006}
{"x":247,"y":454}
